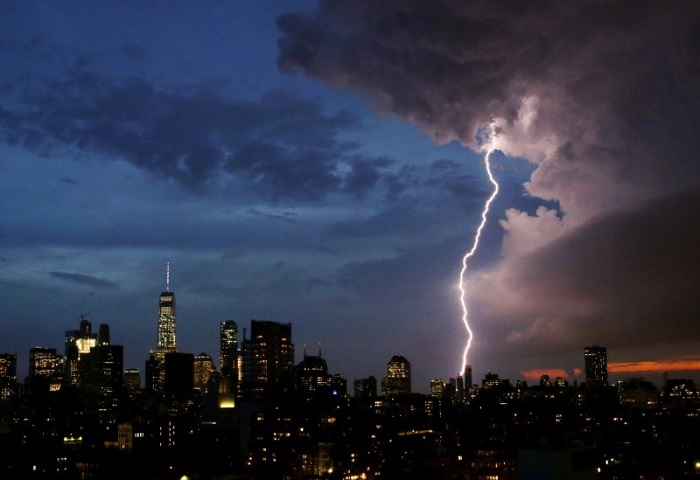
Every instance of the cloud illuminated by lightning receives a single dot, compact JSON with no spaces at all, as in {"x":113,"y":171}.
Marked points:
{"x":470,"y":253}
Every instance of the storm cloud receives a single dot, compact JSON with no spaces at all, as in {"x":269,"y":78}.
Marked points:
{"x":602,"y":98}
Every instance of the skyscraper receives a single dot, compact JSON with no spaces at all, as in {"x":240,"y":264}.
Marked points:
{"x":596,"y":364}
{"x":398,"y":377}
{"x":166,"y":319}
{"x":77,"y":343}
{"x":101,"y":374}
{"x":228,"y":356}
{"x":268,"y":359}
{"x":167,"y":342}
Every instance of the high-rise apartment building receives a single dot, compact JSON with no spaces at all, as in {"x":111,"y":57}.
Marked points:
{"x":228,"y":356}
{"x":398,"y":376}
{"x":596,"y":366}
{"x":268,"y":359}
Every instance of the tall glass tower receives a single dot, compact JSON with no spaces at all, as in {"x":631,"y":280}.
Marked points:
{"x":155,"y":367}
{"x":228,"y":356}
{"x":166,"y":316}
{"x":166,"y":321}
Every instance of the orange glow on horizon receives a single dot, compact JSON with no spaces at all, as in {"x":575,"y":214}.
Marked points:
{"x":535,"y":374}
{"x":644,"y":366}
{"x":657,"y":366}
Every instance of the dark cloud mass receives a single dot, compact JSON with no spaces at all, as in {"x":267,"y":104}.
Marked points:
{"x":602,"y":98}
{"x":593,"y":92}
{"x":283,"y":144}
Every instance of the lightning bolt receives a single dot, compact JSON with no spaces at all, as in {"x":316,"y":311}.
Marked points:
{"x":475,"y":246}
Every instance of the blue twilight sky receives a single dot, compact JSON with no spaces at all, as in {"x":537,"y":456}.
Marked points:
{"x":322,"y":164}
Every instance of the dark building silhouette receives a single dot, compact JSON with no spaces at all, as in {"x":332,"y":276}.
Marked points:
{"x":179,"y":375}
{"x":311,"y":374}
{"x":365,"y":388}
{"x":339,"y":384}
{"x":596,"y":366}
{"x":102,"y":380}
{"x":132,"y":382}
{"x":268,"y":359}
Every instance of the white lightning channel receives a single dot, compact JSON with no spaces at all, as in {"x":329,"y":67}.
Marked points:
{"x":470,"y":253}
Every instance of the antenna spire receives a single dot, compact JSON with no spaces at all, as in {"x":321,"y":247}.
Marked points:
{"x":167,"y":277}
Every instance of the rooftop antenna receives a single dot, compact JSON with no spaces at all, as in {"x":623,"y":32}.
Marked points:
{"x":304,"y":350}
{"x":167,"y":277}
{"x":319,"y":349}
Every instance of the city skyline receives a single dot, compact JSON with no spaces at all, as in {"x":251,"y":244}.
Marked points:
{"x":398,"y":368}
{"x":320,"y":164}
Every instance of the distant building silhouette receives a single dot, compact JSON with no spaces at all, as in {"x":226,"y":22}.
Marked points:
{"x":365,"y":388}
{"x":596,"y":365}
{"x":311,"y":374}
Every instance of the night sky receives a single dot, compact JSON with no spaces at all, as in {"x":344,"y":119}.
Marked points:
{"x":321,"y":164}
